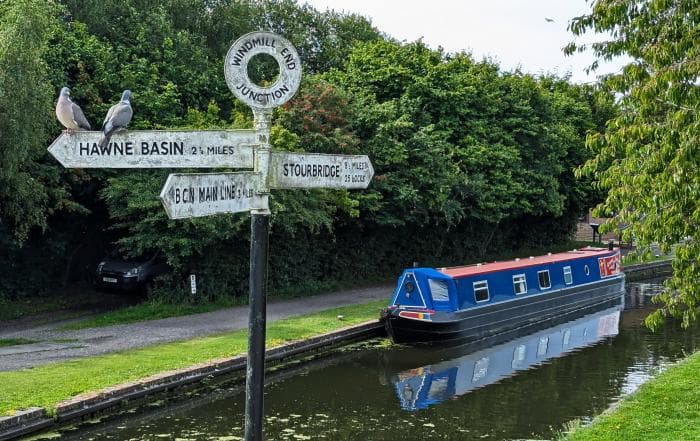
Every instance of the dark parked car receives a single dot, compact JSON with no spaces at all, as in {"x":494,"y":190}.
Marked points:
{"x":116,"y":272}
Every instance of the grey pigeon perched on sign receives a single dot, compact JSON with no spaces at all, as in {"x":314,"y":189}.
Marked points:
{"x":69,"y":114}
{"x":117,"y":118}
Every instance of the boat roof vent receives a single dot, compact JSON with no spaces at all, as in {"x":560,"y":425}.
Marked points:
{"x":549,"y":254}
{"x":531,"y":257}
{"x":478,"y":264}
{"x":517,"y":259}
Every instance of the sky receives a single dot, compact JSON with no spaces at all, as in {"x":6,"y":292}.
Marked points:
{"x":525,"y":34}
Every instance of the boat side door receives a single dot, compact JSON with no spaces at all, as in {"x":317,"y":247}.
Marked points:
{"x":443,"y":294}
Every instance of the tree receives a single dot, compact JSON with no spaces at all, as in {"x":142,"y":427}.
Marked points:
{"x":647,"y":158}
{"x":21,"y":46}
{"x":29,"y":190}
{"x":457,"y":142}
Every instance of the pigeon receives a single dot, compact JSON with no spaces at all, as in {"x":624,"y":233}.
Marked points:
{"x":69,"y":114}
{"x":117,"y":118}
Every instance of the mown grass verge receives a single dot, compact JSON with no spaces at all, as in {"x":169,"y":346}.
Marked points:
{"x":634,"y":259}
{"x":14,"y":309}
{"x":667,"y":408}
{"x":15,"y":341}
{"x":145,"y":311}
{"x":63,"y":303}
{"x":46,"y":386}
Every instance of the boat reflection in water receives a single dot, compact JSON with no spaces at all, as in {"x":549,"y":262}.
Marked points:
{"x":465,"y":369}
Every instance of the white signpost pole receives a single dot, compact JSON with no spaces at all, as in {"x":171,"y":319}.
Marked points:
{"x":261,"y":100}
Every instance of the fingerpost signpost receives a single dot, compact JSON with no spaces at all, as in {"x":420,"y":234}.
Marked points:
{"x":203,"y":194}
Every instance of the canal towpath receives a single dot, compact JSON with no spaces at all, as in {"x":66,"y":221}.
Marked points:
{"x":51,"y":343}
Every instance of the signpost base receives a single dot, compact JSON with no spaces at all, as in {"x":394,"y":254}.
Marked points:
{"x":255,"y":368}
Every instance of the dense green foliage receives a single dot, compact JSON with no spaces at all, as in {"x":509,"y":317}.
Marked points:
{"x":24,"y":119}
{"x":647,"y":158}
{"x":468,"y":158}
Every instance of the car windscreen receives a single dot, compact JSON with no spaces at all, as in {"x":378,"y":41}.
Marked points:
{"x":127,"y":257}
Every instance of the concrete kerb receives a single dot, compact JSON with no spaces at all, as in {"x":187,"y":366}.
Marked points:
{"x":85,"y":405}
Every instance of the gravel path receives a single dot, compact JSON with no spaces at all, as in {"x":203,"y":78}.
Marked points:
{"x":56,"y":345}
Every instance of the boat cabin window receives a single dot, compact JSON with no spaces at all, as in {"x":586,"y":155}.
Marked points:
{"x":542,"y":346}
{"x":519,"y":284}
{"x":438,"y":290}
{"x":409,"y":287}
{"x":586,"y":270}
{"x":543,"y":277}
{"x":481,"y":368}
{"x":518,"y":356}
{"x":481,"y":291}
{"x":567,"y":275}
{"x":439,"y":389}
{"x":567,"y":337}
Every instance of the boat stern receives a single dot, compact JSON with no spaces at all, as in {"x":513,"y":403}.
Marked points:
{"x":423,"y":298}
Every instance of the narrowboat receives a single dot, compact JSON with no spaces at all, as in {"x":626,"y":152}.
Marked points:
{"x":470,"y":303}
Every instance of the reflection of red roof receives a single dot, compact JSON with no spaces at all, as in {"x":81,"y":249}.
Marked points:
{"x":483,"y":268}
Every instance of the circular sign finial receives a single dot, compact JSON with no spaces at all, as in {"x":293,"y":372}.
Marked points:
{"x":236,"y":69}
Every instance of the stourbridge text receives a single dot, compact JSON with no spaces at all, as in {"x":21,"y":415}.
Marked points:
{"x":291,"y":169}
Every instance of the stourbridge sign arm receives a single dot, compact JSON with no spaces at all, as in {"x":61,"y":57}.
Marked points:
{"x":316,"y":170}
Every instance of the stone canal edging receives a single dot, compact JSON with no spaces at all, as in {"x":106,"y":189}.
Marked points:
{"x":642,"y":271}
{"x":24,"y":422}
{"x":88,"y":404}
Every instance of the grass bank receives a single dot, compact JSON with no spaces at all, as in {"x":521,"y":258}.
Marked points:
{"x":154,"y":310}
{"x":145,"y":311}
{"x":15,"y":341}
{"x":667,"y":408}
{"x":65,"y":305}
{"x":633,"y":258}
{"x":46,"y":386}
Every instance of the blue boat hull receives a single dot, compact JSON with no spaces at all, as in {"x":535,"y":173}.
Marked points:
{"x":477,"y":323}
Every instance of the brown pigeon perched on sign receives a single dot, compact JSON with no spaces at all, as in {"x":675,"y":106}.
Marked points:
{"x":117,"y":118}
{"x":69,"y":114}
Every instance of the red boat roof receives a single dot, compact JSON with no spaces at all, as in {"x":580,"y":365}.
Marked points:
{"x":483,"y":268}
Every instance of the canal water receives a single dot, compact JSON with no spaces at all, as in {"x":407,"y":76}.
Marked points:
{"x":528,"y":387}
